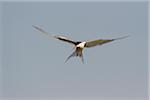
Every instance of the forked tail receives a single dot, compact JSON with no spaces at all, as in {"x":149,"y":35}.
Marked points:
{"x":73,"y":55}
{"x":82,"y":59}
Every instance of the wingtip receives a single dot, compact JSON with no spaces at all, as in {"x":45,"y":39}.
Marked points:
{"x":37,"y":28}
{"x":34,"y":26}
{"x":122,"y":37}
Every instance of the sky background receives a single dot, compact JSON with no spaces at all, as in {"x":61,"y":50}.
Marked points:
{"x":33,"y":65}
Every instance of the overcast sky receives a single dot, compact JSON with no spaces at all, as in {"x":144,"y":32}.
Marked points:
{"x":33,"y":65}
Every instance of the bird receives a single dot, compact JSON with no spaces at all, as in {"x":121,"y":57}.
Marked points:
{"x":78,"y":45}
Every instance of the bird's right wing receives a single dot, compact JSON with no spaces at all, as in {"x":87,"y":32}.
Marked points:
{"x":42,"y":31}
{"x":62,"y":38}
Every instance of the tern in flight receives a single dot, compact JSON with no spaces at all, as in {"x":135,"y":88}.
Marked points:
{"x":79,"y":45}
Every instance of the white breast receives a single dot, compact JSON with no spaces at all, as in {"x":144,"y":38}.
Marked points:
{"x":81,"y":45}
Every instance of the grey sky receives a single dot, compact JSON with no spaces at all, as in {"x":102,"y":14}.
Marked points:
{"x":33,"y":65}
{"x":1,"y":75}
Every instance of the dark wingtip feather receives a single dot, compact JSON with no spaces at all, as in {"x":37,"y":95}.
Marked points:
{"x":35,"y":27}
{"x":121,"y":37}
{"x":39,"y":29}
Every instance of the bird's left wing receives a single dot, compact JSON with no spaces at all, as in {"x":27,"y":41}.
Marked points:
{"x":62,"y":38}
{"x":101,"y":41}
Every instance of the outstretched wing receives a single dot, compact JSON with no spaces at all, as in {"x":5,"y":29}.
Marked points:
{"x":62,"y":38}
{"x":42,"y":31}
{"x":101,"y":41}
